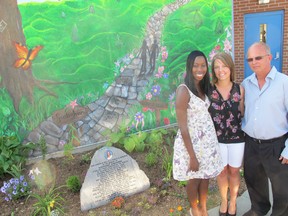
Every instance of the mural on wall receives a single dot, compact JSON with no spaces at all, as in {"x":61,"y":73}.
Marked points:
{"x":71,"y":70}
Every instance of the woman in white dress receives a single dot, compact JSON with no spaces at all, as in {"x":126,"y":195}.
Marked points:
{"x":196,"y":151}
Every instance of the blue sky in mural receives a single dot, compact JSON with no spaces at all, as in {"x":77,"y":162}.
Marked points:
{"x":28,"y":1}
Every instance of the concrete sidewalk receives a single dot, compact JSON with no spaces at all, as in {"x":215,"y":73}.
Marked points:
{"x":243,"y":205}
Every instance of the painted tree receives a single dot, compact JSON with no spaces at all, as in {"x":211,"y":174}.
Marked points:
{"x":18,"y":81}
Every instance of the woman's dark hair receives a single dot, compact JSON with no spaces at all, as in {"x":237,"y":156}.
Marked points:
{"x":189,"y":79}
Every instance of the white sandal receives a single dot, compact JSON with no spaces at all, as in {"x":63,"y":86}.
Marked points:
{"x":190,"y":211}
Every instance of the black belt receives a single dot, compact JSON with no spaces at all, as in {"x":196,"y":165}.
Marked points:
{"x":260,"y":141}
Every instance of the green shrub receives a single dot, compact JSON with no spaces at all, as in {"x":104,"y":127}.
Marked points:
{"x":85,"y":159}
{"x":49,"y":202}
{"x":73,"y":183}
{"x":151,"y":159}
{"x":13,"y":153}
{"x":43,"y":146}
{"x":167,"y":163}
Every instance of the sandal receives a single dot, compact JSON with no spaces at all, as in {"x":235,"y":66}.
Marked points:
{"x":190,"y":211}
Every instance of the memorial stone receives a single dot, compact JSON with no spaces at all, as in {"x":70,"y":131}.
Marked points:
{"x":111,"y":173}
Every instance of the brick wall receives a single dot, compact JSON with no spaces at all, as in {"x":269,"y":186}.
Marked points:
{"x":243,"y":7}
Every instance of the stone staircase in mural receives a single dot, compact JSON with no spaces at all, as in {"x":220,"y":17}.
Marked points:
{"x":111,"y":109}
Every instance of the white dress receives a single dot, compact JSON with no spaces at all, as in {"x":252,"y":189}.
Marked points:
{"x":204,"y":141}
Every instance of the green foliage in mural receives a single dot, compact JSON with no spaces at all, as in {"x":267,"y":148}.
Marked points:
{"x":88,"y":43}
{"x":196,"y":26}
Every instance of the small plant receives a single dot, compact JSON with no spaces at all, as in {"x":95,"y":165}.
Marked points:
{"x":151,"y":159}
{"x":167,"y":163}
{"x":50,"y":201}
{"x":15,"y":188}
{"x":16,"y":170}
{"x":182,"y":183}
{"x":73,"y":183}
{"x":85,"y":159}
{"x":135,"y":142}
{"x":154,"y":142}
{"x":68,"y":148}
{"x":118,"y":202}
{"x":116,"y":138}
{"x":12,"y":152}
{"x":43,"y":146}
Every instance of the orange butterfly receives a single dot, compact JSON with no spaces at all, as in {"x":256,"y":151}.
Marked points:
{"x":25,"y":56}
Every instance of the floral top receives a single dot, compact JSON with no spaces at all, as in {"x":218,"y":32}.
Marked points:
{"x":226,"y":115}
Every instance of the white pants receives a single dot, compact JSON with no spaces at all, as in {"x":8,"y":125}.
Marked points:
{"x":232,"y":154}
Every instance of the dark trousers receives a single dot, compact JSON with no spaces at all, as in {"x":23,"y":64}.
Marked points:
{"x":261,"y":161}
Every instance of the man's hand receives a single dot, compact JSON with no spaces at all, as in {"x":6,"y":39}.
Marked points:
{"x":284,"y":160}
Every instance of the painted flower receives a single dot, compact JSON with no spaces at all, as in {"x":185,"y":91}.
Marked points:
{"x":105,"y":85}
{"x":139,"y":117}
{"x":166,"y":121}
{"x":164,"y":56}
{"x":212,"y":54}
{"x":172,"y":96}
{"x":161,"y":69}
{"x":126,"y":60}
{"x":227,"y":46}
{"x":73,"y":104}
{"x":156,"y":90}
{"x":165,"y":76}
{"x":158,"y":75}
{"x":217,"y":47}
{"x":62,"y":142}
{"x":149,"y":96}
{"x":117,"y":63}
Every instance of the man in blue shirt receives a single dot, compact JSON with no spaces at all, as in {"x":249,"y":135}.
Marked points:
{"x":265,"y":124}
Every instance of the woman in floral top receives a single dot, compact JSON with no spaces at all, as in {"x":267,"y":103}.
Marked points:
{"x":226,"y":109}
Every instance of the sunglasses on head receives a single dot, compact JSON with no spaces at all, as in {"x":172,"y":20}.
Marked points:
{"x":257,"y":58}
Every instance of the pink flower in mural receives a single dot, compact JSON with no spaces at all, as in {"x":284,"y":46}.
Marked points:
{"x":158,"y":75}
{"x":217,"y":47}
{"x":149,"y":96}
{"x":212,"y":54}
{"x":161,"y":69}
{"x":164,"y":56}
{"x":163,"y":49}
{"x":166,"y":121}
{"x":227,"y":46}
{"x":73,"y":104}
{"x":62,"y":142}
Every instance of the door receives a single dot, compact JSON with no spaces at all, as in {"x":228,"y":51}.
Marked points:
{"x":266,"y":27}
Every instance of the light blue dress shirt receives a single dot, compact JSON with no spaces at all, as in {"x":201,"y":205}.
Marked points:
{"x":266,"y":109}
